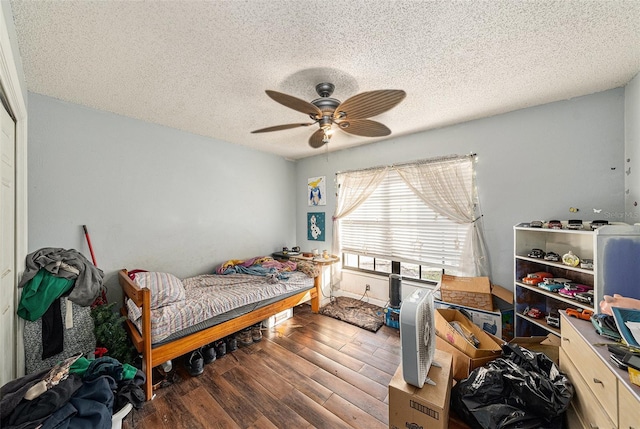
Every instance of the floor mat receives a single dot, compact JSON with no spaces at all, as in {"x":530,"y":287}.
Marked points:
{"x":355,"y":312}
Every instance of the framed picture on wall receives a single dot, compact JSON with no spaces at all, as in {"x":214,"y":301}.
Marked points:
{"x":316,"y":191}
{"x":315,"y":226}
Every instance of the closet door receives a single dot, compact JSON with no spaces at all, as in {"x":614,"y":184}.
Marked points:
{"x":8,"y":281}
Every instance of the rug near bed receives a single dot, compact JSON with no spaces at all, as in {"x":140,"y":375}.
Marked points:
{"x":359,"y":313}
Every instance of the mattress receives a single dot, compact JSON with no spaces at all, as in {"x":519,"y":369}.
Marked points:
{"x":211,"y":299}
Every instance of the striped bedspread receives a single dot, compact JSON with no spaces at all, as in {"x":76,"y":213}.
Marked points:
{"x":210,"y":295}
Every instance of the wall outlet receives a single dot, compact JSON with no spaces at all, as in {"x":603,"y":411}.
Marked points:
{"x":367,"y":288}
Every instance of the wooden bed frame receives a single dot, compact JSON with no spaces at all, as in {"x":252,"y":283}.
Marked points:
{"x":154,"y":356}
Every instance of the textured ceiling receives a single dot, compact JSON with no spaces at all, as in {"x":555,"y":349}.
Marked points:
{"x":203,"y":66}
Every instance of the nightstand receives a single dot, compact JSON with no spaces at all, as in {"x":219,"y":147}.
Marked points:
{"x":323,"y":263}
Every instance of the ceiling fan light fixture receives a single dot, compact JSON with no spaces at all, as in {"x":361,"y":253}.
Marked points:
{"x":328,"y":131}
{"x":326,"y":111}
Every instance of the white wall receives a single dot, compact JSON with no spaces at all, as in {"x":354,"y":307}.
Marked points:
{"x":533,"y":163}
{"x":158,"y":198}
{"x":632,"y":150}
{"x":152,"y":197}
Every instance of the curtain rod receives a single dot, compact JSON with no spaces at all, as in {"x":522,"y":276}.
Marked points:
{"x":421,"y":161}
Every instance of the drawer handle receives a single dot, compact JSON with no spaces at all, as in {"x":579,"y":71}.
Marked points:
{"x":595,"y":380}
{"x":566,"y":339}
{"x":592,"y":426}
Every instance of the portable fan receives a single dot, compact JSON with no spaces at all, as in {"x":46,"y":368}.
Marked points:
{"x":418,"y":337}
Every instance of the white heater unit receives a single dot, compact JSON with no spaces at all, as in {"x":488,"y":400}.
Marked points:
{"x":418,"y":337}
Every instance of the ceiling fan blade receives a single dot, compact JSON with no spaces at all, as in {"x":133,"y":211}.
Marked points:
{"x":317,"y":139}
{"x":364,"y":127}
{"x":295,"y":103}
{"x":368,"y":104}
{"x":281,"y":127}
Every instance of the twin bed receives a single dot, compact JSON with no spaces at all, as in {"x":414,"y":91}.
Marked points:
{"x":167,"y":317}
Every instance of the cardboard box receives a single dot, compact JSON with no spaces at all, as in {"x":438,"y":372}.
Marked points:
{"x":462,"y":364}
{"x":474,"y":292}
{"x":498,"y":323}
{"x":549,"y":345}
{"x":487,"y":346}
{"x":411,"y":407}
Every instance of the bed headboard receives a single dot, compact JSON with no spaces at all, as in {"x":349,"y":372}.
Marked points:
{"x":132,"y":290}
{"x":142,"y":298}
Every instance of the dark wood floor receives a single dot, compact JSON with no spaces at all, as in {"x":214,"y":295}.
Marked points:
{"x":311,"y":371}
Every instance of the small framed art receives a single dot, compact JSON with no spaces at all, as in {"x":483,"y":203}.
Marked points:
{"x":315,"y":226}
{"x":316,"y":191}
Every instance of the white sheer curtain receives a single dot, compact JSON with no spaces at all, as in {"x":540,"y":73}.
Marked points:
{"x":353,"y":189}
{"x":448,"y":187}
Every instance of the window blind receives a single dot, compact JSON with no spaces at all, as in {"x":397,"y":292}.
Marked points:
{"x":394,"y":223}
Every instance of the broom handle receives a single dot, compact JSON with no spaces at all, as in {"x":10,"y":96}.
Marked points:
{"x":86,"y":234}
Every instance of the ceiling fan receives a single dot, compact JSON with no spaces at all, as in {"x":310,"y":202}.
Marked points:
{"x":349,"y":116}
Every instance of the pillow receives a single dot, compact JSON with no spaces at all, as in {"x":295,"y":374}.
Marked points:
{"x":165,"y":288}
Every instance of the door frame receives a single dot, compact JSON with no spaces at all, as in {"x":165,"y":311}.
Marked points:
{"x":12,"y":86}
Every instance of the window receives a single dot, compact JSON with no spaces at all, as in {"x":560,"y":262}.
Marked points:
{"x":410,"y":270}
{"x":394,"y":224}
{"x":383,"y":266}
{"x":420,"y":218}
{"x":368,"y":263}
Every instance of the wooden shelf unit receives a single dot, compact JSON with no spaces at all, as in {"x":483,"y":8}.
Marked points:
{"x":613,"y":241}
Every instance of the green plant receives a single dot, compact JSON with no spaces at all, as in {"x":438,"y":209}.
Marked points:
{"x":110,"y":333}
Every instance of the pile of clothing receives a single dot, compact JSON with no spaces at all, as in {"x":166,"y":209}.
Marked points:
{"x":76,"y":393}
{"x":50,"y":274}
{"x":267,"y":266}
{"x":258,"y":266}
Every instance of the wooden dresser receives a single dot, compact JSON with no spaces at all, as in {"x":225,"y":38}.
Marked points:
{"x":604,"y":397}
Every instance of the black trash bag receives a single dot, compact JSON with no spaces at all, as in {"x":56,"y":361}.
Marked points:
{"x":521,"y":389}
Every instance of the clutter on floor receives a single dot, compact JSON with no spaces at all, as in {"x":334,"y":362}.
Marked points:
{"x":58,"y":286}
{"x":487,"y":305}
{"x":196,"y":360}
{"x":77,"y":392}
{"x":519,"y":389}
{"x":470,"y":346}
{"x":428,"y":407}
